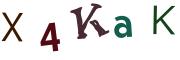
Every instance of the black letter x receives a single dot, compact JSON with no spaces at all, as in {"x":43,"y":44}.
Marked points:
{"x":12,"y":27}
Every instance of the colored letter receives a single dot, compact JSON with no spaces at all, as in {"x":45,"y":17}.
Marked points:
{"x":128,"y":32}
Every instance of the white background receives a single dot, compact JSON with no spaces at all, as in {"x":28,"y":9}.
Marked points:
{"x":37,"y":14}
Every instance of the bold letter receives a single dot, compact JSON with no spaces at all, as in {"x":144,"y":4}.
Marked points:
{"x":127,"y":26}
{"x":161,"y":19}
{"x":82,"y":26}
